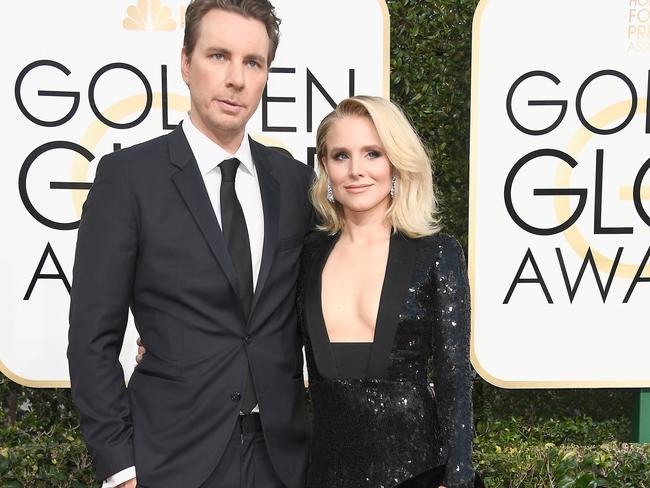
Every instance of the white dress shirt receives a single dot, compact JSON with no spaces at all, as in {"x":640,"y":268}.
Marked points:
{"x":208,"y":155}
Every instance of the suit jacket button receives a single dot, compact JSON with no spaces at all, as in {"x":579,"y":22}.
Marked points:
{"x":236,"y":396}
{"x":248,"y":339}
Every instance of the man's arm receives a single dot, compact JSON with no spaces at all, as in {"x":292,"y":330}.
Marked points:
{"x":101,"y":292}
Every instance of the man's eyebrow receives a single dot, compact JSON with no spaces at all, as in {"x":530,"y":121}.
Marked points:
{"x":216,"y":49}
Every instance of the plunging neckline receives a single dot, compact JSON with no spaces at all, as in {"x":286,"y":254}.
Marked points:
{"x":326,"y":258}
{"x":399,"y":268}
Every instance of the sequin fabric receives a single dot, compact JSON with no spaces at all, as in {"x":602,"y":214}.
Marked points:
{"x":377,"y":432}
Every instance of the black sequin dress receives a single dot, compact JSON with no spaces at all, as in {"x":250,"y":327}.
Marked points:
{"x":377,"y":431}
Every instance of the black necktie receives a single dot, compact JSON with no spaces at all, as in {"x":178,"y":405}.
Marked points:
{"x":235,"y":232}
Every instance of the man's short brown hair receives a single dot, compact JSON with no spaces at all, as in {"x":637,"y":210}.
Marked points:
{"x":261,"y":10}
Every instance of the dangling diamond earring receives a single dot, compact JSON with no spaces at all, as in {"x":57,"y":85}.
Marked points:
{"x":330,"y":193}
{"x":393,"y":186}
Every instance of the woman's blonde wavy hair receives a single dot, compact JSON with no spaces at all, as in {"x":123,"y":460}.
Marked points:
{"x":414,"y":209}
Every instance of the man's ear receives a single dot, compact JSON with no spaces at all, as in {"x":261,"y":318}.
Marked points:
{"x":185,"y":67}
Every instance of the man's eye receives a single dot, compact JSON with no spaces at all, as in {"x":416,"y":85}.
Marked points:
{"x":253,"y":64}
{"x":218,"y":57}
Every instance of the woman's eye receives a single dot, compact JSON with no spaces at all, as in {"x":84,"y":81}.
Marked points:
{"x":340,"y":156}
{"x":374,"y":154}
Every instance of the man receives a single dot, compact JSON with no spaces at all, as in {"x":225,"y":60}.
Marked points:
{"x":199,"y":232}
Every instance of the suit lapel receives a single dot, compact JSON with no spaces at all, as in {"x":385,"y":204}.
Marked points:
{"x":399,"y":270}
{"x":270,"y":193}
{"x":190,"y":185}
{"x":314,"y":320}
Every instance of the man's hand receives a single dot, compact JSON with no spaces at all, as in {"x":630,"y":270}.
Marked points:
{"x":132,"y":483}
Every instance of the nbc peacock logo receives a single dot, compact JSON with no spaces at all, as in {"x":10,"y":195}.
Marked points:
{"x":152,"y":15}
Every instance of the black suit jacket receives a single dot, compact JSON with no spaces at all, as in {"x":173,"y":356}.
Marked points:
{"x":149,"y":240}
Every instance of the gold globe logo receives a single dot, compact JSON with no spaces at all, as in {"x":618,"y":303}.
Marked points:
{"x":578,"y":242}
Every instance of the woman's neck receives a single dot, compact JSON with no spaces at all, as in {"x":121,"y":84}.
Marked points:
{"x":365,"y":229}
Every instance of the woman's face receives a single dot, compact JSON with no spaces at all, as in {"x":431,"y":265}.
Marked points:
{"x":356,"y":162}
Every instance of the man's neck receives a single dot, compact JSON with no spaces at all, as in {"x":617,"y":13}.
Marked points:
{"x":229,"y":141}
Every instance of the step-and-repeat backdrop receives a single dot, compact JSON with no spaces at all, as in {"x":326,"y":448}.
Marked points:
{"x":560,"y":192}
{"x":81,"y":79}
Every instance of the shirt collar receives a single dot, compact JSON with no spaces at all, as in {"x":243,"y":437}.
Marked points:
{"x":209,"y":154}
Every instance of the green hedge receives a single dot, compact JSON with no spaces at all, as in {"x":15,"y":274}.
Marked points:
{"x":612,"y":465}
{"x":40,"y":443}
{"x":430,"y":79}
{"x":525,"y":439}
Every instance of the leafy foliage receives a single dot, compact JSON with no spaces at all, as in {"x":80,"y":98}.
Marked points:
{"x":430,"y":80}
{"x":40,"y":443}
{"x":547,"y":465}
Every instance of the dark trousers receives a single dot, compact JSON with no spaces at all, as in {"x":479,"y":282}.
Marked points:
{"x":245,"y":462}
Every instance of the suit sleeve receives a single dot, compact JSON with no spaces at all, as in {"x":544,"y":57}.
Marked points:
{"x":451,"y":367}
{"x":100,"y":296}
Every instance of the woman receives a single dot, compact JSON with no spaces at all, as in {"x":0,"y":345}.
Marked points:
{"x":383,"y":304}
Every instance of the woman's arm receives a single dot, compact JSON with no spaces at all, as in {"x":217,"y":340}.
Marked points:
{"x":451,"y":367}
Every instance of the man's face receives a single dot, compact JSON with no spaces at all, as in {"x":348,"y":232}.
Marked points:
{"x":226,"y":73}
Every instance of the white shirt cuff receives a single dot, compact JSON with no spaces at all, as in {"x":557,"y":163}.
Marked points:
{"x":118,"y":478}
